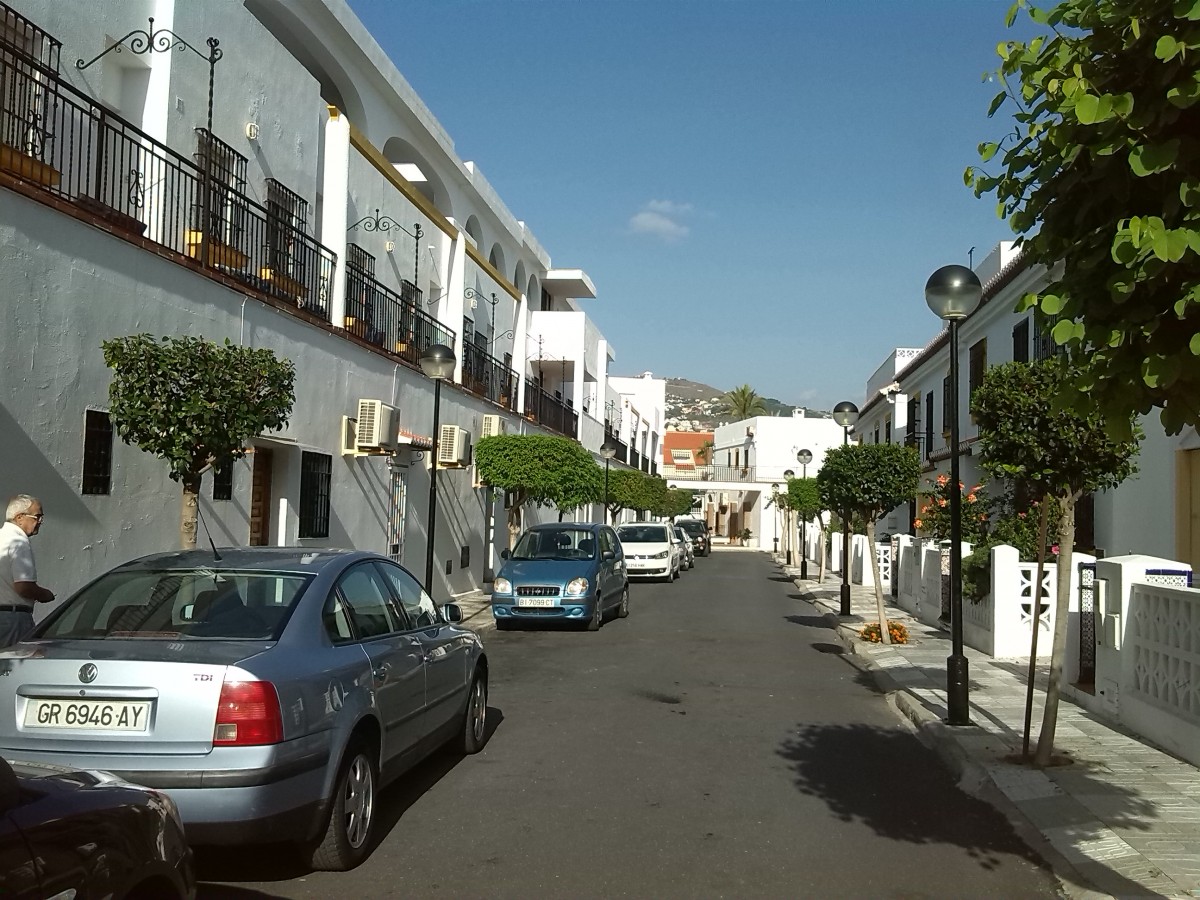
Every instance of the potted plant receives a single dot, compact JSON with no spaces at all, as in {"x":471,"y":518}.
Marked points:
{"x":744,"y":535}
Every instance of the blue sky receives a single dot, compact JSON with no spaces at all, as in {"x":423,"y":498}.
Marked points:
{"x":758,"y":189}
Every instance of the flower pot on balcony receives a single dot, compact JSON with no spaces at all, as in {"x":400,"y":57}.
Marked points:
{"x":284,"y":284}
{"x":357,"y":327}
{"x":28,"y":167}
{"x":119,"y":221}
{"x":218,"y":254}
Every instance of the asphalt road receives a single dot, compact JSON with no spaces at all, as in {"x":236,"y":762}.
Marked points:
{"x":713,"y":744}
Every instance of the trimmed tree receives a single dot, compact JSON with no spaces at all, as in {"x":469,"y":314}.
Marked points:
{"x":1056,"y":451}
{"x":804,"y":499}
{"x":869,"y":480}
{"x":675,"y":502}
{"x":194,"y":404}
{"x":537,"y":468}
{"x":1100,"y":178}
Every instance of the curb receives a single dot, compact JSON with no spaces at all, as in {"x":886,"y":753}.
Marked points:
{"x":973,"y":778}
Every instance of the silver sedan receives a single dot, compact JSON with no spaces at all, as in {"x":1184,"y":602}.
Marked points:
{"x":270,"y":692}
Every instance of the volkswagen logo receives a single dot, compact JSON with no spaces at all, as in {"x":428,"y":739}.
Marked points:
{"x":87,"y":673}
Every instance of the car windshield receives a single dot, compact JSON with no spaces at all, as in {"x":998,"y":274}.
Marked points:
{"x":556,"y":543}
{"x":692,"y":528}
{"x":180,"y":605}
{"x":643,"y":534}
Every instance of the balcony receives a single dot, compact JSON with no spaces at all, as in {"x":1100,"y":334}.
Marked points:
{"x":58,"y":142}
{"x":486,"y":376}
{"x":540,"y":407}
{"x":393,"y":322}
{"x":709,"y":473}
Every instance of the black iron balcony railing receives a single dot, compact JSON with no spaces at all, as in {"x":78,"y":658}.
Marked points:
{"x":486,"y":376}
{"x":392,"y":321}
{"x":56,"y":137}
{"x":635,"y":459}
{"x":622,"y":454}
{"x":646,"y":464}
{"x":548,"y":411}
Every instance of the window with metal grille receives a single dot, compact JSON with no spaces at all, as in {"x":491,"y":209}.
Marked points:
{"x":945,"y":404}
{"x":912,"y":427}
{"x":97,"y":452}
{"x":977,"y":365}
{"x":928,"y":423}
{"x":1020,"y":336}
{"x":287,"y":217}
{"x":1043,"y":344}
{"x":877,"y":432}
{"x":222,"y":483}
{"x":227,"y":181}
{"x":316,"y":473}
{"x":887,"y":430}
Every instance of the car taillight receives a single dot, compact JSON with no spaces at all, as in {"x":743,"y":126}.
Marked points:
{"x":247,"y":714}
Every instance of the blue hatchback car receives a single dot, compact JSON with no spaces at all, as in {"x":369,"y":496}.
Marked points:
{"x":573,"y":571}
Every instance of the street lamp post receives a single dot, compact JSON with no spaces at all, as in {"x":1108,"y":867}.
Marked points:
{"x":804,"y":457}
{"x":953,"y":293}
{"x":846,"y":415}
{"x":608,"y":450}
{"x":437,"y":363}
{"x":787,"y":522}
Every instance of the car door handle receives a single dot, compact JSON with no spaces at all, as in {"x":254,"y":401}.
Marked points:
{"x":381,"y":672}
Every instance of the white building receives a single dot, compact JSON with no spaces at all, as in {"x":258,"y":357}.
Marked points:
{"x":324,"y":215}
{"x":748,"y":464}
{"x":1151,"y":513}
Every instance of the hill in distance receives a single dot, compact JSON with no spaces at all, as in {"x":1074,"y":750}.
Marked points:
{"x":693,"y":405}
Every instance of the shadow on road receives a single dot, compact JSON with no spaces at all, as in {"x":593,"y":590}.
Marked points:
{"x":886,"y":780}
{"x":809,"y":621}
{"x":284,"y":862}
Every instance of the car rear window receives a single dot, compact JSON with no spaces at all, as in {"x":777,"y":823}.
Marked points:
{"x":692,"y":527}
{"x":180,"y":604}
{"x":643,"y":534}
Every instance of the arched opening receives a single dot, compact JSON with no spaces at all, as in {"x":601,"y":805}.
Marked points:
{"x":533,"y":294}
{"x":496,"y":258}
{"x":419,"y":172}
{"x":473,"y":229}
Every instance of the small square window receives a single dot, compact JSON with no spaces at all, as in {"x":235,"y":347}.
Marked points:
{"x":97,"y":452}
{"x":222,"y":483}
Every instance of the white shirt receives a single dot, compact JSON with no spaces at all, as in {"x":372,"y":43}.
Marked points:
{"x":16,"y":564}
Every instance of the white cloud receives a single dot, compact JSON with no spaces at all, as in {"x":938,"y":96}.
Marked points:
{"x":658,"y":225}
{"x":669,"y":207}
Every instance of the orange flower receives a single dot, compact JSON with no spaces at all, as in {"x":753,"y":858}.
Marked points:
{"x":943,"y":480}
{"x":970,"y":498}
{"x":941,"y":501}
{"x":917,"y":523}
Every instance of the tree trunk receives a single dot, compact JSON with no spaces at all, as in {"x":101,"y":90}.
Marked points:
{"x":1066,"y":538}
{"x":884,"y":634}
{"x":1033,"y":638}
{"x":187,"y":513}
{"x":821,"y":526}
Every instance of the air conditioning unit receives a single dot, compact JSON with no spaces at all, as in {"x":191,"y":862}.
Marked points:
{"x":378,"y":427}
{"x":454,"y":446}
{"x":494,"y":425}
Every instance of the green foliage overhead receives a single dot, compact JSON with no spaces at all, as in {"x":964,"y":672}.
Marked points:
{"x":742,"y":403}
{"x":631,"y":489}
{"x":544,"y":469}
{"x":1027,"y":438}
{"x":869,"y":480}
{"x":1100,"y":178}
{"x":192,"y":401}
{"x":804,"y":497}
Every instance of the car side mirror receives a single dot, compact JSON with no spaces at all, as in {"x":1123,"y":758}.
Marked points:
{"x":504,"y":554}
{"x":452,"y":613}
{"x":608,"y":554}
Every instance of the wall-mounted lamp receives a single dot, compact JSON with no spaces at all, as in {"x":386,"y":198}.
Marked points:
{"x":390,"y":246}
{"x":252,"y":131}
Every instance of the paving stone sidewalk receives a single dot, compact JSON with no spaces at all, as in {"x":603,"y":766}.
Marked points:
{"x":1121,"y":820}
{"x":476,"y":608}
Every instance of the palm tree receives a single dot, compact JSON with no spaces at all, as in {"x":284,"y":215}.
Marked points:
{"x":742,"y":403}
{"x":705,"y":452}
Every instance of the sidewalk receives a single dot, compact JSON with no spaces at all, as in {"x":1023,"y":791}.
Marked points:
{"x":1123,"y":819}
{"x":476,"y":608}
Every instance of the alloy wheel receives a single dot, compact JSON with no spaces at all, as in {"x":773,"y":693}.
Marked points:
{"x":360,"y":801}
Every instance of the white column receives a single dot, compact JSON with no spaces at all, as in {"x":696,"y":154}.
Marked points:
{"x":521,"y":349}
{"x":450,"y":308}
{"x":334,"y":196}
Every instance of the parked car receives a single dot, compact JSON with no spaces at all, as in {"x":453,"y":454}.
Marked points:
{"x":573,"y":571}
{"x":650,"y":551}
{"x":270,"y":692}
{"x":699,"y":533}
{"x":69,"y":833}
{"x":685,"y":548}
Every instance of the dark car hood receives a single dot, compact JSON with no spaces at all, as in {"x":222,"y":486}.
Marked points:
{"x":551,"y":571}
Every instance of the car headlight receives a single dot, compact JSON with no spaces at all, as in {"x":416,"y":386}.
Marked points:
{"x":663,"y":555}
{"x":501,"y":586}
{"x":577,"y":586}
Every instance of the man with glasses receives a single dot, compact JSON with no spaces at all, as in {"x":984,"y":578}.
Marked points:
{"x":19,"y":590}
